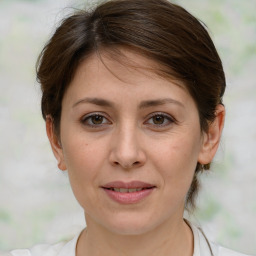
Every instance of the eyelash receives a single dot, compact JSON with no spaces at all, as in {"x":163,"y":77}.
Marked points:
{"x":167,"y":119}
{"x":87,"y":120}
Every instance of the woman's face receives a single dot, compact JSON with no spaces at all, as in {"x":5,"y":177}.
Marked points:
{"x":130,"y":141}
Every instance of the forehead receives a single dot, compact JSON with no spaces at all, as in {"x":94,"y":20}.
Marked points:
{"x":127,"y":65}
{"x":128,"y":76}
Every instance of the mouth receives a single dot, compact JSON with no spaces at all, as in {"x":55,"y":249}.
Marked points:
{"x":128,"y":192}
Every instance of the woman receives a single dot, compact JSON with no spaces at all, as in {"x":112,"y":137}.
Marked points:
{"x":132,"y":98}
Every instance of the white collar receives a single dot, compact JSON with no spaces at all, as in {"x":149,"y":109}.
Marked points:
{"x":201,"y":247}
{"x":69,"y":249}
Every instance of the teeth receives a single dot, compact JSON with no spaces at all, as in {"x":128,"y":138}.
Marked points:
{"x":126,"y":190}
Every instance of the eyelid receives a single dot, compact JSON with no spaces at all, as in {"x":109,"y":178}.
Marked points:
{"x":86,"y":117}
{"x":170,"y":118}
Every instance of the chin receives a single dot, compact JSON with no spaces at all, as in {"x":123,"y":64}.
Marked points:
{"x":130,"y":230}
{"x":130,"y":224}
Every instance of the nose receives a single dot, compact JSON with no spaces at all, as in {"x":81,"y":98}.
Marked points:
{"x":126,"y":150}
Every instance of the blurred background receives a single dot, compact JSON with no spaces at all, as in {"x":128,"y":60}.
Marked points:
{"x":36,"y":202}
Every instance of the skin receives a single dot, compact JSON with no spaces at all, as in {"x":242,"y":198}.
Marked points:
{"x":128,"y":144}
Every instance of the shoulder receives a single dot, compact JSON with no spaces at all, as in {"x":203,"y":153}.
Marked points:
{"x":59,"y":249}
{"x":222,"y":251}
{"x":5,"y":254}
{"x":203,"y":247}
{"x":39,"y":250}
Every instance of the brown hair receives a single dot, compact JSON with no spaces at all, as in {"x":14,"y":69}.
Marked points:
{"x":163,"y":32}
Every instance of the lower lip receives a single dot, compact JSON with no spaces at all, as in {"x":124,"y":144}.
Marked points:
{"x":128,"y":198}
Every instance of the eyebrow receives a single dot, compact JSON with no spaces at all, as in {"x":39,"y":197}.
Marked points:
{"x":158,"y":102}
{"x":95,"y":101}
{"x":143,"y":104}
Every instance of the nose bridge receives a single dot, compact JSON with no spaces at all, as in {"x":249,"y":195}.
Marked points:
{"x":127,"y":150}
{"x":128,"y":140}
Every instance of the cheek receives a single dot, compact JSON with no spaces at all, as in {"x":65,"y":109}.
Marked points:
{"x":81,"y":153}
{"x":83,"y":161}
{"x":176,"y":161}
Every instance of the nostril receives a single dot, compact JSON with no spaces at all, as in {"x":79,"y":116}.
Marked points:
{"x":127,"y":165}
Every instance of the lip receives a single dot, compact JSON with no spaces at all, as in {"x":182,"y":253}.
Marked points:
{"x":128,"y":197}
{"x":132,"y":184}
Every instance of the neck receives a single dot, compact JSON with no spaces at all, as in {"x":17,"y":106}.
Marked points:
{"x":172,"y":239}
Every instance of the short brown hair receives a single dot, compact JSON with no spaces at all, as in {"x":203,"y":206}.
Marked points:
{"x":164,"y":32}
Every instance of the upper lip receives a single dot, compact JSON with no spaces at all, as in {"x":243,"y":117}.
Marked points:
{"x":127,"y":185}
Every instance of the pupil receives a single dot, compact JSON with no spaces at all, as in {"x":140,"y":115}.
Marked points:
{"x":158,"y":119}
{"x":97,"y":119}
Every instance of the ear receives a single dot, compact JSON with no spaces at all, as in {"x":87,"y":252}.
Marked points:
{"x":211,"y":138}
{"x":55,"y":143}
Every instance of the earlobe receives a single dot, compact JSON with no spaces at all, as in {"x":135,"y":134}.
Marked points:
{"x":55,"y":143}
{"x":211,"y":139}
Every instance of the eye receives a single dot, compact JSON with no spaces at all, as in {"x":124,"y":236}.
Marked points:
{"x":160,"y":120}
{"x":95,"y":120}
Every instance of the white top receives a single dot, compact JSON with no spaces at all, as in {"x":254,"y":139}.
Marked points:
{"x":201,"y":248}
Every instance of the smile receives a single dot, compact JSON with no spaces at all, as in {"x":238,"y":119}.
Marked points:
{"x":126,"y":190}
{"x":128,"y":193}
